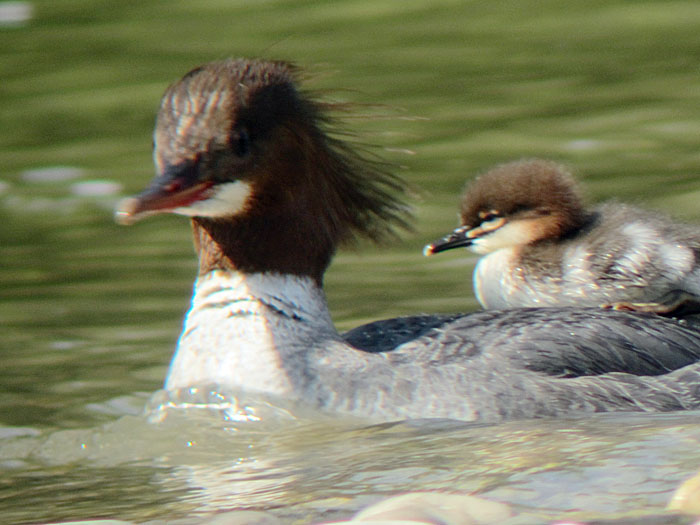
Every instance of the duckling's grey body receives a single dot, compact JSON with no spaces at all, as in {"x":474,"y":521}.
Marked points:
{"x":622,"y":254}
{"x":541,"y":247}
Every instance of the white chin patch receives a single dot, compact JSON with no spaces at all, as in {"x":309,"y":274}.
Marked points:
{"x":228,"y":199}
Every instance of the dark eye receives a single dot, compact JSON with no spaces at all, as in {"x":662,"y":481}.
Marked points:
{"x":486,"y":216}
{"x":241,"y":143}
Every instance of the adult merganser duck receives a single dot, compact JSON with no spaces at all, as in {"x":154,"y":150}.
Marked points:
{"x":543,"y":248}
{"x":246,"y":154}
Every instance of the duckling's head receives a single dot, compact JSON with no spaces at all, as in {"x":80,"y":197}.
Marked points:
{"x":516,"y":204}
{"x":250,"y":157}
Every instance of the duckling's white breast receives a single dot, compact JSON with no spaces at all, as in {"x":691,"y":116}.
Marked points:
{"x":496,"y":284}
{"x":503,"y":280}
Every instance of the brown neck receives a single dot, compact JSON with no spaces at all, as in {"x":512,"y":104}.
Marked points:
{"x":260,"y":244}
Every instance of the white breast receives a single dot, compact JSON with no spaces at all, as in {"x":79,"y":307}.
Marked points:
{"x":240,"y":327}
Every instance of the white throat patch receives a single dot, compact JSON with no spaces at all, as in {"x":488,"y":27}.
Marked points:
{"x":228,"y":199}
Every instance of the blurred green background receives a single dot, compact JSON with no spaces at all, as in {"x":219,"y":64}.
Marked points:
{"x":444,"y":89}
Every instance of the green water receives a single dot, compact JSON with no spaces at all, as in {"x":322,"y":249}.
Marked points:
{"x":90,"y":311}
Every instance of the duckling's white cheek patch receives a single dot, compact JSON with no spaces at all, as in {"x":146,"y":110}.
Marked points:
{"x":226,"y":200}
{"x":512,"y":234}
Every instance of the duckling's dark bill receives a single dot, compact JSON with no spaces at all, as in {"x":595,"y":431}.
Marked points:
{"x":457,"y":239}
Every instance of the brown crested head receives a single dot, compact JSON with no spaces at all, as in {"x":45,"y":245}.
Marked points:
{"x":525,"y":189}
{"x":254,"y":161}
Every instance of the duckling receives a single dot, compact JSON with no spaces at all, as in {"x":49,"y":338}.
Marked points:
{"x":543,"y":247}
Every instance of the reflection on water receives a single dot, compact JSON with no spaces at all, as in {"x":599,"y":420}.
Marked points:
{"x":15,"y":13}
{"x":90,"y":312}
